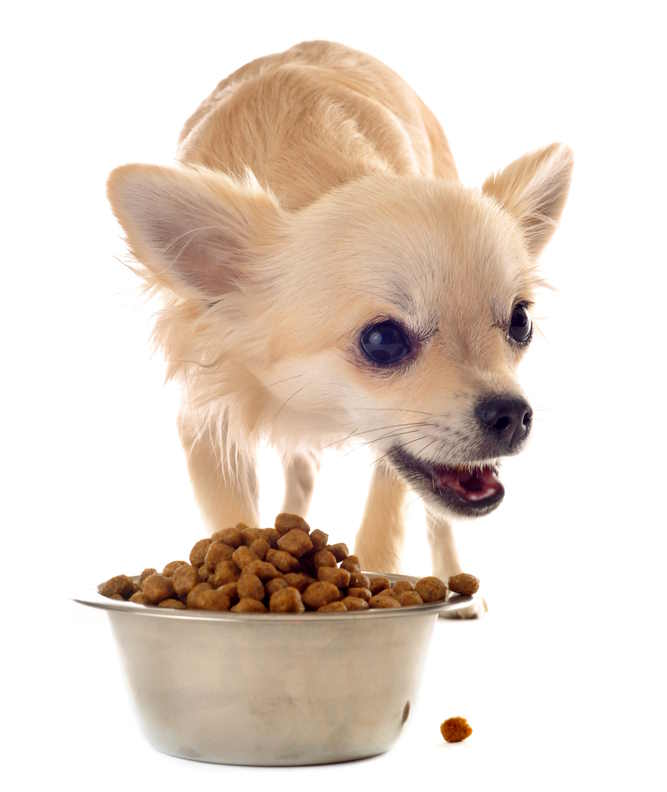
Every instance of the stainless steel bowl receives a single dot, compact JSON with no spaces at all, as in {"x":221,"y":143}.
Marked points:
{"x":273,"y":689}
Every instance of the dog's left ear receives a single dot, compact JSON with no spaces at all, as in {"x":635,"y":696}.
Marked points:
{"x":533,"y":189}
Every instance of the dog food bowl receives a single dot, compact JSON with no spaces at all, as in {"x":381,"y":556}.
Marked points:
{"x":273,"y":689}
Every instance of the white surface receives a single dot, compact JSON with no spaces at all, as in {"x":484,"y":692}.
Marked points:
{"x":563,"y":683}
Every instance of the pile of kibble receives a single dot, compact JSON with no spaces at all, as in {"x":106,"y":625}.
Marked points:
{"x":285,"y":569}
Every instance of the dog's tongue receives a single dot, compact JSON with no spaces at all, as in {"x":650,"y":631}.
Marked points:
{"x":472,"y":485}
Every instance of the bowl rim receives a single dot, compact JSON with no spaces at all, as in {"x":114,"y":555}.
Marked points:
{"x":454,"y":602}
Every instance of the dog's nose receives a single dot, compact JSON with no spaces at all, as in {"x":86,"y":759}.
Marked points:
{"x":506,"y":418}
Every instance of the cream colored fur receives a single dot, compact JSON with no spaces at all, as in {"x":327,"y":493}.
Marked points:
{"x":314,"y":192}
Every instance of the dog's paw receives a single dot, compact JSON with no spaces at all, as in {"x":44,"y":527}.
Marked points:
{"x":475,"y":610}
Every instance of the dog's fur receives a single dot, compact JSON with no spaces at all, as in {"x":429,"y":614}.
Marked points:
{"x":316,"y":193}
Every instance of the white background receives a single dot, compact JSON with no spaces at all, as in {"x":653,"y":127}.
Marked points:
{"x":563,"y":681}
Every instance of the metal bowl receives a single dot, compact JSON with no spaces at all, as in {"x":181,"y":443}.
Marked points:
{"x":273,"y":689}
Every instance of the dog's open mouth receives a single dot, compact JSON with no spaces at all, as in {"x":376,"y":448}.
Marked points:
{"x":471,"y":489}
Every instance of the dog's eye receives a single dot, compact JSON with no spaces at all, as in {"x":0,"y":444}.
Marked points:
{"x":521,"y":328}
{"x":385,"y":343}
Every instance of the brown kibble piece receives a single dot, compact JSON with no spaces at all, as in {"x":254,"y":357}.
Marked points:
{"x":139,"y":597}
{"x":275,"y":584}
{"x":463,"y":584}
{"x":355,"y":603}
{"x":231,"y":590}
{"x":271,"y":535}
{"x":185,"y":578}
{"x":225,"y":572}
{"x":146,"y":573}
{"x":351,"y":563}
{"x":157,"y":587}
{"x":231,"y":536}
{"x":286,"y":600}
{"x":359,"y":591}
{"x":298,"y":580}
{"x":339,"y":551}
{"x":283,"y":560}
{"x":193,"y":598}
{"x":324,"y":558}
{"x":203,"y":572}
{"x":287,"y":522}
{"x":383,"y":600}
{"x":171,"y":567}
{"x":320,"y":593}
{"x":198,"y":552}
{"x":213,"y":599}
{"x":260,"y":547}
{"x":263,"y":569}
{"x":409,"y":598}
{"x":319,"y":539}
{"x":339,"y":577}
{"x":250,"y":586}
{"x":242,"y":556}
{"x":122,"y":585}
{"x":296,"y":542}
{"x":402,"y":585}
{"x":250,"y":534}
{"x":249,"y":605}
{"x":359,"y":580}
{"x":217,"y":552}
{"x":332,"y":607}
{"x":379,"y":584}
{"x":455,"y":729}
{"x":172,"y":603}
{"x":431,"y":589}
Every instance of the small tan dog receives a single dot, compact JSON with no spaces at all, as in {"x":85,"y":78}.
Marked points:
{"x":326,"y":277}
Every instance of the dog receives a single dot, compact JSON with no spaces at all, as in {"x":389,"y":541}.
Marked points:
{"x":325,"y":277}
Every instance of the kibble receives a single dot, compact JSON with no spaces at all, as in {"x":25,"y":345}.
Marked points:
{"x":463,"y":584}
{"x":455,"y":729}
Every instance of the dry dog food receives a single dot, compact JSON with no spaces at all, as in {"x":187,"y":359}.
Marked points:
{"x":285,"y":569}
{"x":455,"y":729}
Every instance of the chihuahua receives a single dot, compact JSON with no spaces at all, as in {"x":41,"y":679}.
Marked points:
{"x":325,"y":277}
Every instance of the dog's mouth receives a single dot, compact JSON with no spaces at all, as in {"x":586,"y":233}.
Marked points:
{"x":470,"y":489}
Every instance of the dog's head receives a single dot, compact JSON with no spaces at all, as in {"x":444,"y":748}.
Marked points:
{"x":393,"y":309}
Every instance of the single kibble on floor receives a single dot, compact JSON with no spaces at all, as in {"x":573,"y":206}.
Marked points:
{"x":260,"y":547}
{"x":320,"y":593}
{"x":360,"y":591}
{"x":351,"y":563}
{"x":282,"y":560}
{"x":225,"y":572}
{"x":249,"y":605}
{"x":355,"y":603}
{"x":431,"y":589}
{"x":250,"y":587}
{"x":198,"y":552}
{"x":171,"y":567}
{"x":286,"y":600}
{"x":157,"y":587}
{"x":463,"y":584}
{"x":122,"y":585}
{"x":324,"y":558}
{"x":339,"y":577}
{"x":184,"y":579}
{"x":171,"y":603}
{"x":286,"y":522}
{"x":216,"y":552}
{"x":319,"y":539}
{"x":214,"y":600}
{"x":230,"y":536}
{"x":455,"y":729}
{"x":146,"y":573}
{"x":409,"y":598}
{"x":401,"y":586}
{"x":242,"y":556}
{"x":383,"y":600}
{"x":339,"y":551}
{"x":275,"y":584}
{"x":295,"y":542}
{"x":379,"y":583}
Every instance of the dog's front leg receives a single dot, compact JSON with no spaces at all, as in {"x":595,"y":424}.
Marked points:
{"x":380,"y":538}
{"x":301,"y":469}
{"x":225,"y":497}
{"x":445,"y":560}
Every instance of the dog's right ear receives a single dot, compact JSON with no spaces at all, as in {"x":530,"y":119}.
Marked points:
{"x":191,"y":227}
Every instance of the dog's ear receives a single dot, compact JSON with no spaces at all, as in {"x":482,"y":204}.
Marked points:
{"x":193,"y":227}
{"x":533,"y":189}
